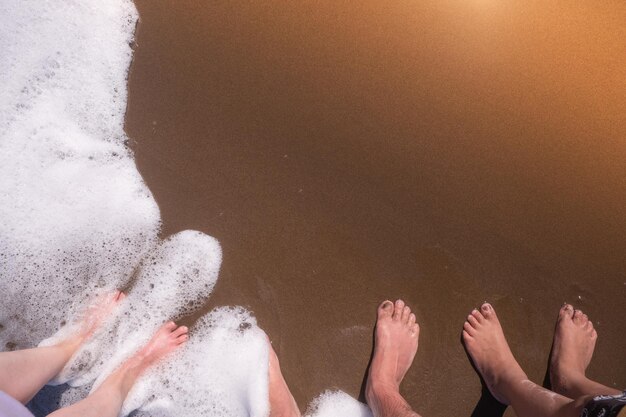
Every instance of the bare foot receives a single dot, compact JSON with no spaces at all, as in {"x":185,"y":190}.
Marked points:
{"x":572,"y":348}
{"x":167,"y":339}
{"x":90,"y":319}
{"x":108,"y":398}
{"x":395,"y":346}
{"x":282,"y":403}
{"x":490,"y":352}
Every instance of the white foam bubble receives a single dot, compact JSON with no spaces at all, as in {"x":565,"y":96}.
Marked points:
{"x":333,"y":403}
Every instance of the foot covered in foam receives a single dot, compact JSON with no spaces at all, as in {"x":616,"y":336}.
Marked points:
{"x":167,"y":339}
{"x":572,"y":349}
{"x":485,"y":342}
{"x":395,"y":346}
{"x":92,"y":318}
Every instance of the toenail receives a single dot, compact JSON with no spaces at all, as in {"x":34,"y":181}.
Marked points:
{"x":485,"y":307}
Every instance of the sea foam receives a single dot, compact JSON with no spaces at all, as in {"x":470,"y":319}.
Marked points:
{"x":76,"y":215}
{"x":77,"y":221}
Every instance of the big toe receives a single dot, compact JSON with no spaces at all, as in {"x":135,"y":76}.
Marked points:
{"x":385,"y":310}
{"x":566,"y":312}
{"x":487,"y":311}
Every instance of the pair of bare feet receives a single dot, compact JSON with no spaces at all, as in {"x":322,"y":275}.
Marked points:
{"x":25,"y":372}
{"x":167,"y":338}
{"x":396,"y":342}
{"x":572,"y":349}
{"x":109,"y":397}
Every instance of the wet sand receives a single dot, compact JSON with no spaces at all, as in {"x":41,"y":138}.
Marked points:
{"x":439,"y":151}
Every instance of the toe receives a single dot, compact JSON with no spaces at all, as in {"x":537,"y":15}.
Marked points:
{"x":170,"y":325}
{"x":385,"y":309}
{"x":478,"y":316}
{"x":397,"y":310}
{"x":412,"y":319}
{"x":182,"y":338}
{"x":486,"y":310}
{"x":406,"y":312}
{"x":566,"y":312}
{"x":469,"y":328}
{"x":578,"y":317}
{"x":467,"y":336}
{"x":415,"y":328}
{"x":472,"y":321}
{"x":180,"y":331}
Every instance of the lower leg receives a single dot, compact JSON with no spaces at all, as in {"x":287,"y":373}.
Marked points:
{"x":572,"y":349}
{"x":108,"y":398}
{"x":531,"y":400}
{"x":396,"y":341}
{"x":282,"y":403}
{"x":24,"y":372}
{"x":487,"y":346}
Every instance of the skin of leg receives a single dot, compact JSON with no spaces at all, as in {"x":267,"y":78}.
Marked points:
{"x":395,"y":346}
{"x":572,"y":349}
{"x":282,"y":403}
{"x":487,"y":346}
{"x":108,"y":398}
{"x":25,"y":372}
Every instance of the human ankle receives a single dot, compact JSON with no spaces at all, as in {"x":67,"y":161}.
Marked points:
{"x":385,"y":400}
{"x":380,"y":392}
{"x":508,"y":380}
{"x":566,"y":382}
{"x":70,"y":346}
{"x":381,"y":386}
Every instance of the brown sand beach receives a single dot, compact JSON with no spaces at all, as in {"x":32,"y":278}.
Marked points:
{"x":444,"y":152}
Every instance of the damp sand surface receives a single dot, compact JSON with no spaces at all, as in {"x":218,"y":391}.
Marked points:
{"x":443,"y":152}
